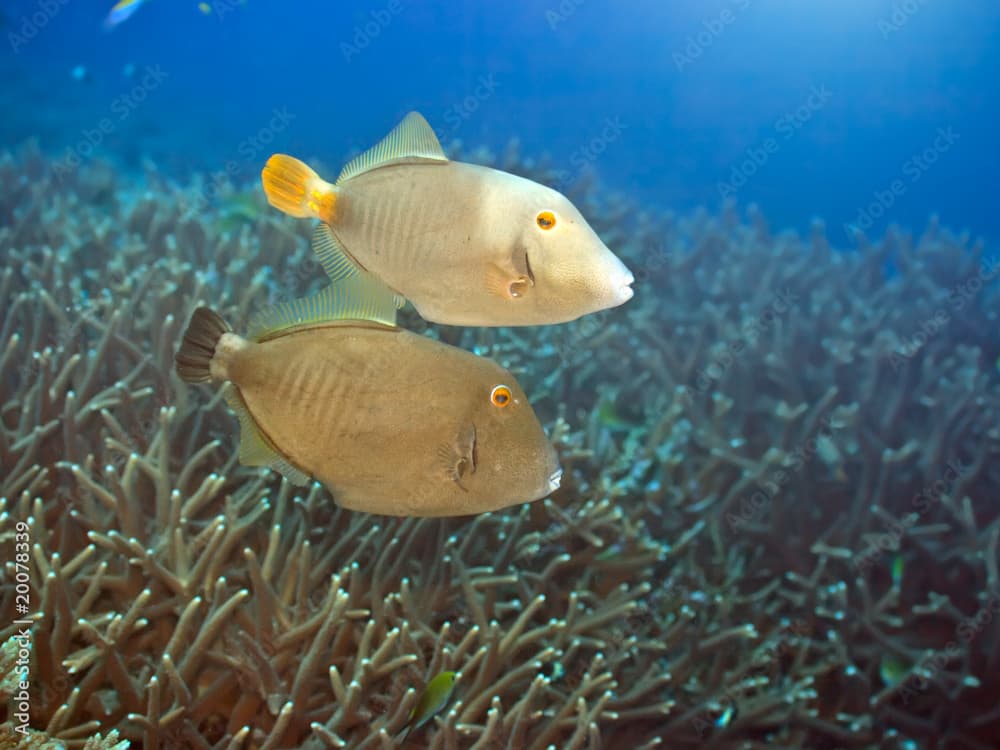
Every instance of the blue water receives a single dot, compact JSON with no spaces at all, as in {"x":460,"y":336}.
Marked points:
{"x":861,"y":112}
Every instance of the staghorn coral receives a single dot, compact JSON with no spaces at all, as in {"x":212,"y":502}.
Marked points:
{"x":729,"y":562}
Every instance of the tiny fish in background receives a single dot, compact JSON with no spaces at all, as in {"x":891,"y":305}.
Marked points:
{"x":328,"y":387}
{"x":898,"y":565}
{"x":434,"y":698}
{"x":467,"y":245}
{"x":121,"y":12}
{"x":893,"y":669}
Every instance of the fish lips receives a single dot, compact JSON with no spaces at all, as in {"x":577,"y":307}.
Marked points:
{"x":554,"y":479}
{"x":622,"y":287}
{"x":618,"y":287}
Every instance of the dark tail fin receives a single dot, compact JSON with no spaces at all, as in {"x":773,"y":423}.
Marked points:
{"x":198,"y":346}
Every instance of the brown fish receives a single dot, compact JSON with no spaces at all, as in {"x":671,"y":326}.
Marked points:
{"x":467,"y":245}
{"x":391,"y":422}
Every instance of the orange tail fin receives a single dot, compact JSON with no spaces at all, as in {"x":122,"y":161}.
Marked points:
{"x":295,"y":188}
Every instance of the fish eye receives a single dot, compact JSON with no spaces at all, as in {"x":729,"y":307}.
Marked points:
{"x":545,"y":220}
{"x":500,"y":396}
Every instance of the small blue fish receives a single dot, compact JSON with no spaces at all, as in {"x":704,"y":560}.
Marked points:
{"x":121,"y":12}
{"x":726,"y":716}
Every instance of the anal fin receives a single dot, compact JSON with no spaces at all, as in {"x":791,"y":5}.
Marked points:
{"x":339,"y":264}
{"x":255,"y":450}
{"x":331,"y":255}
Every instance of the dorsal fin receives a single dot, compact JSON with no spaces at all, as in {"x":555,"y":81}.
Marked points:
{"x":358,"y":297}
{"x":411,"y":142}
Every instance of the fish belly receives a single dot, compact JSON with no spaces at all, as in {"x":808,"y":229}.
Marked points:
{"x":357,"y":408}
{"x":423,"y":229}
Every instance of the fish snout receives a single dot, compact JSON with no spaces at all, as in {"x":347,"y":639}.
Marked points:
{"x":623,"y":287}
{"x":553,"y":476}
{"x":619,"y":283}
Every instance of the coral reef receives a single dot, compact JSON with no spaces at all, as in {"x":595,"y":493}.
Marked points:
{"x":777,"y":527}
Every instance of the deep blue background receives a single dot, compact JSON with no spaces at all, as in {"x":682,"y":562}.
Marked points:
{"x":687,"y":125}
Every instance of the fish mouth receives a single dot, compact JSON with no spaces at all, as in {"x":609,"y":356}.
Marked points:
{"x":553,"y":481}
{"x":620,"y":280}
{"x":622,"y":290}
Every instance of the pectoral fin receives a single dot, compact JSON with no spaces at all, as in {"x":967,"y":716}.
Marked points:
{"x":459,"y":458}
{"x":507,"y":282}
